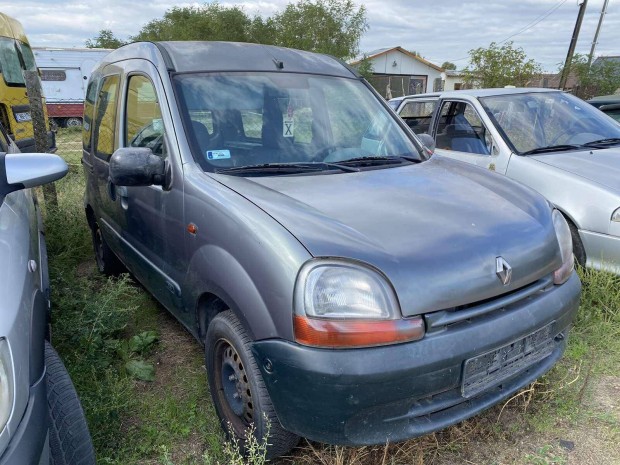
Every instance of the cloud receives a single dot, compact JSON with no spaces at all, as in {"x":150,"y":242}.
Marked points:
{"x":441,"y":30}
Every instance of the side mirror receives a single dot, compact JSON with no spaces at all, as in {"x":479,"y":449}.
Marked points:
{"x":133,"y":166}
{"x":428,"y":141}
{"x":24,"y":170}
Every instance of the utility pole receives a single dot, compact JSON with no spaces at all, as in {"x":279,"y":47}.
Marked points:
{"x":598,"y":30}
{"x":573,"y":43}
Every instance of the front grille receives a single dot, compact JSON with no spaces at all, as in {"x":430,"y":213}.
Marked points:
{"x":443,"y":318}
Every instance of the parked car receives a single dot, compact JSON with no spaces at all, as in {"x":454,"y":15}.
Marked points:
{"x":41,"y":420}
{"x":16,"y":57}
{"x":546,"y":139}
{"x":608,"y":104}
{"x":346,"y":288}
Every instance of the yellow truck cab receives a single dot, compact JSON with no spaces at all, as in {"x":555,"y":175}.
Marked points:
{"x":16,"y":57}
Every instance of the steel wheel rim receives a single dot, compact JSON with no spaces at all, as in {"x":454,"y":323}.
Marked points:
{"x":233,"y":388}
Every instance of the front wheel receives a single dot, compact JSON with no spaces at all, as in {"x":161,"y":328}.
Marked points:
{"x":578,"y":249}
{"x":239,"y":393}
{"x":107,"y":262}
{"x":70,"y":442}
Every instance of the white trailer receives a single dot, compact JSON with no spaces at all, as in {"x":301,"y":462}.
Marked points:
{"x":64,"y":77}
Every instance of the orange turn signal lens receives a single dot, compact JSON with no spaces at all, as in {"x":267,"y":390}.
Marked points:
{"x":356,"y":333}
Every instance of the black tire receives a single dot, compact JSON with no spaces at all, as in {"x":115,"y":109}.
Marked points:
{"x":70,"y":441}
{"x":107,"y":262}
{"x":578,"y":250}
{"x":73,"y":122}
{"x":228,"y":343}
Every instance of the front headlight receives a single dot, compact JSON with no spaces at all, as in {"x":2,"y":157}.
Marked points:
{"x":616,"y":216}
{"x":6,"y":383}
{"x":345,"y":304}
{"x":565,"y":241}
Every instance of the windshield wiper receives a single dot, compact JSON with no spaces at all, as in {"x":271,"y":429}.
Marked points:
{"x":603,"y":142}
{"x":284,"y":168}
{"x":379,"y":160}
{"x":552,"y":148}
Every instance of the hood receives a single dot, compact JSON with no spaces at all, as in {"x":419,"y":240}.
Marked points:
{"x":434,"y":229}
{"x":601,"y":166}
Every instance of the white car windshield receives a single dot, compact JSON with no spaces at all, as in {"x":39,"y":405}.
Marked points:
{"x":540,"y":122}
{"x":237,"y":120}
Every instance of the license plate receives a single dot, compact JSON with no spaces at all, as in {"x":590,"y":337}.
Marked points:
{"x":22,"y":117}
{"x":492,"y":368}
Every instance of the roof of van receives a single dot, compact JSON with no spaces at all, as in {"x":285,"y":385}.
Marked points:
{"x":10,"y":27}
{"x":194,"y":56}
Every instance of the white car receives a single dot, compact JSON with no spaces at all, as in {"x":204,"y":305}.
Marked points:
{"x":551,"y":141}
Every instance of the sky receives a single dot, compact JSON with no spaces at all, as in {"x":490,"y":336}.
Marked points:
{"x":440,"y":30}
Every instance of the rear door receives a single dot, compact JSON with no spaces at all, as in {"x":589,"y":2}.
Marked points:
{"x":100,"y":141}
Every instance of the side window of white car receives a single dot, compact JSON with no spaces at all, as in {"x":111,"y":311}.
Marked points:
{"x":460,"y":129}
{"x":417,"y":114}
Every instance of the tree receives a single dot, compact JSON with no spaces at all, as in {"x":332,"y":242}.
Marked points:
{"x":105,"y":39}
{"x":365,"y":68}
{"x":602,"y":78}
{"x":210,"y":21}
{"x":448,"y":65}
{"x":334,"y":27}
{"x":500,"y":66}
{"x":327,"y":26}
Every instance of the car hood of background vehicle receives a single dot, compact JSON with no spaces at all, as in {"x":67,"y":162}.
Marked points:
{"x":601,"y":166}
{"x":434,"y":229}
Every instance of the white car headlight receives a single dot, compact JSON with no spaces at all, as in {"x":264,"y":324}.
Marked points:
{"x":565,"y":241}
{"x":6,"y":383}
{"x":616,"y":216}
{"x":345,"y":304}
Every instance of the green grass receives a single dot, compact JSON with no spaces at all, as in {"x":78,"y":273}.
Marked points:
{"x":99,"y":327}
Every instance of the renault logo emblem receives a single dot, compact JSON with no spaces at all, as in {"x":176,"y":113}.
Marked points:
{"x":503,"y":270}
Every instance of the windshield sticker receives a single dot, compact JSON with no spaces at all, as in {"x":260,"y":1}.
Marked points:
{"x":288,"y":128}
{"x":218,"y":154}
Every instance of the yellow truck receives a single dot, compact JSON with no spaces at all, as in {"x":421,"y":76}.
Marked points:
{"x":16,"y":57}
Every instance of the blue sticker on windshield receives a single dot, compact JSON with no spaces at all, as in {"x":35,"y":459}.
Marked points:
{"x":218,"y":154}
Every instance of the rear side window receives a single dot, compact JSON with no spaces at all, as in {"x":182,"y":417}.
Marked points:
{"x":105,"y":117}
{"x":89,"y":110}
{"x":417,"y":115}
{"x":143,"y":124}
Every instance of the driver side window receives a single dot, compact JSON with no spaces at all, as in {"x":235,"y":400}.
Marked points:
{"x":144,"y":126}
{"x":460,"y":129}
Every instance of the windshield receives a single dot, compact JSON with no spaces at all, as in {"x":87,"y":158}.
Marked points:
{"x":10,"y":66}
{"x":242,"y":119}
{"x":534,"y":121}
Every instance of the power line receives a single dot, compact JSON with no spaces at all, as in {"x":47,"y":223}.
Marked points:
{"x":529,"y":25}
{"x":535,"y":22}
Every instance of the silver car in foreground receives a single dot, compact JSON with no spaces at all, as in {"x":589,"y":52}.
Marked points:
{"x":548,"y":140}
{"x":41,"y":420}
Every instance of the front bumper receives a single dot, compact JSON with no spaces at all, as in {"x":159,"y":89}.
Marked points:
{"x":393,"y":393}
{"x":30,"y":443}
{"x":602,"y":250}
